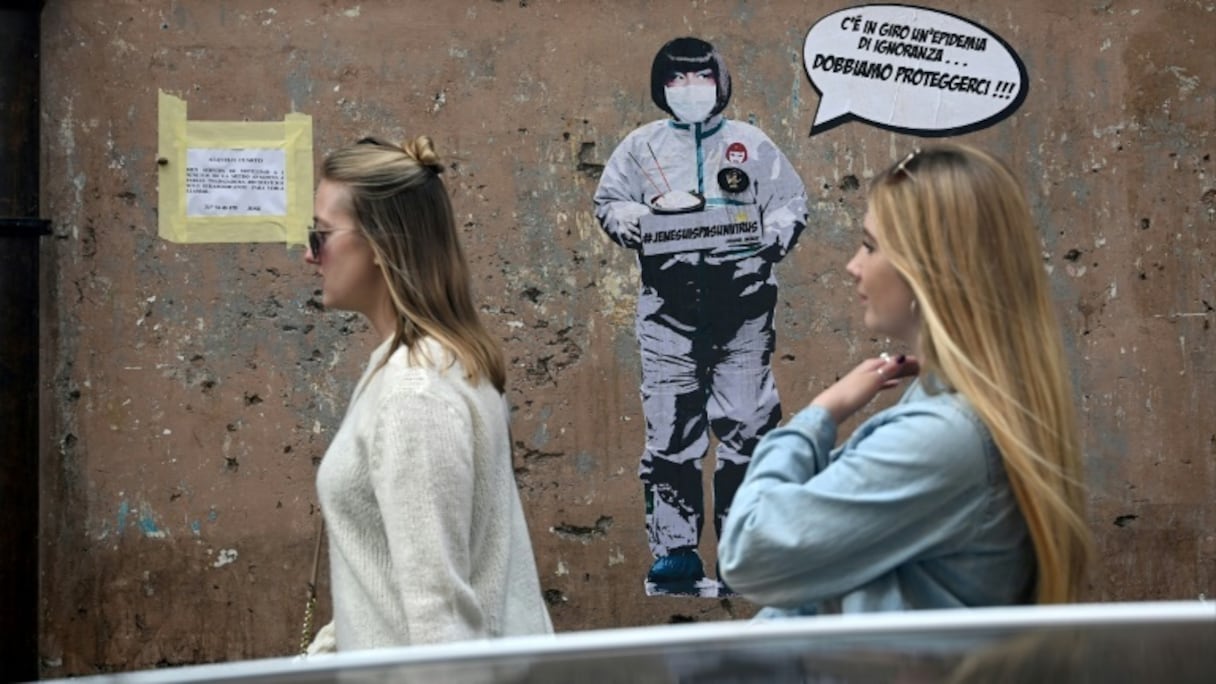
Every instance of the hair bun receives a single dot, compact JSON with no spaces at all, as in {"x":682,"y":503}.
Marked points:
{"x":422,"y":150}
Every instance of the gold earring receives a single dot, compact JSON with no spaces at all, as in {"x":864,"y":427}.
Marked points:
{"x":912,"y":306}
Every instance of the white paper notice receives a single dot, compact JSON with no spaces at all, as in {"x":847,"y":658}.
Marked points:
{"x":231,"y":182}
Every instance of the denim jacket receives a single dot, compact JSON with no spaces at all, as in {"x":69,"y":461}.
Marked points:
{"x":913,"y":511}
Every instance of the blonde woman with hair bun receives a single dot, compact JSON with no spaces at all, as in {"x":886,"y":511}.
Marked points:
{"x":427,"y":537}
{"x":967,"y":492}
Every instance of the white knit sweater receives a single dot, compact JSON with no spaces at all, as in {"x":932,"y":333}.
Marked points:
{"x":427,"y":537}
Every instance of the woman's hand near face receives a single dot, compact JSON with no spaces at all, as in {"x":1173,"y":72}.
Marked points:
{"x":863,"y":383}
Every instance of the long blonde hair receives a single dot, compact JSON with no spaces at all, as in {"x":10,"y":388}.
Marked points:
{"x":402,"y":208}
{"x":954,"y":222}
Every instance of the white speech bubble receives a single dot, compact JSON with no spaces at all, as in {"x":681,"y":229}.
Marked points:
{"x":911,"y":70}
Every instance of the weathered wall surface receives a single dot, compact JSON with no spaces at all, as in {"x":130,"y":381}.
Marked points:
{"x":189,"y":390}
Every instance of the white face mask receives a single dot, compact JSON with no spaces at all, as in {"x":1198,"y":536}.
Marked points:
{"x":692,"y":103}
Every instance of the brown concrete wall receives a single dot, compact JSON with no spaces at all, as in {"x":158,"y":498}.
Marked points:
{"x":189,"y":390}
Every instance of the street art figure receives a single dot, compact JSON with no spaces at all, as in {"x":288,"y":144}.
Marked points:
{"x":710,"y":205}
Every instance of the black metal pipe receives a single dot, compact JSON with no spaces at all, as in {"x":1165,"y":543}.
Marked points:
{"x":19,"y":332}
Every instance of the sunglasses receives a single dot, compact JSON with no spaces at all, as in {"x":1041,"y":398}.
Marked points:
{"x":902,"y":166}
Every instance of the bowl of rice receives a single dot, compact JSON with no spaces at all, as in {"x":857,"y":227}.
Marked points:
{"x":677,"y":202}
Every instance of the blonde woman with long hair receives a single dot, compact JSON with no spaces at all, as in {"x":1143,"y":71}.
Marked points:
{"x":427,"y":536}
{"x":967,"y":492}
